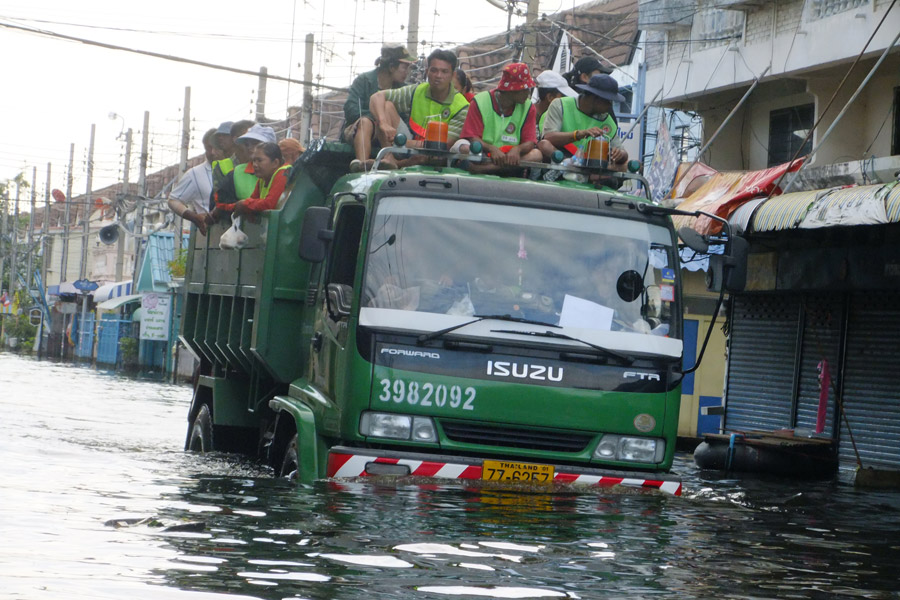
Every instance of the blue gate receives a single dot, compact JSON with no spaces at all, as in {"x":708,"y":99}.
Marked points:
{"x":84,"y":345}
{"x":109,"y":331}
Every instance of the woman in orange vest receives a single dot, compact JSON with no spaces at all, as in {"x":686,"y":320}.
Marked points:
{"x":268,"y":164}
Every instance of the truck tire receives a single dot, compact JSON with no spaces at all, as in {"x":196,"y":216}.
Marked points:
{"x":290,"y":465}
{"x":201,"y":439}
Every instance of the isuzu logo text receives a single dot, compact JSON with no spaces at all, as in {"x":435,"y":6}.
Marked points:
{"x":641,"y":376}
{"x":524,"y":371}
{"x":404,"y":352}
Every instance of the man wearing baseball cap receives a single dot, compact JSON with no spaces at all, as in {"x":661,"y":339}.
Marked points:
{"x":503,"y":120}
{"x":391,"y":70}
{"x":240,"y":183}
{"x":571,"y":122}
{"x":550,"y":86}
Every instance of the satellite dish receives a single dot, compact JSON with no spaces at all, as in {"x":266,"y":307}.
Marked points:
{"x":58,"y":195}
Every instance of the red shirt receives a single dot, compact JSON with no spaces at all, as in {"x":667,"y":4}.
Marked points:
{"x":255,"y":203}
{"x":474,"y":125}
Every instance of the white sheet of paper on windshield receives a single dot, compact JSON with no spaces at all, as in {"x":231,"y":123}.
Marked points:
{"x":578,"y":312}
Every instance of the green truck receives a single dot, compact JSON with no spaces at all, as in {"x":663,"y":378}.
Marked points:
{"x":429,"y":322}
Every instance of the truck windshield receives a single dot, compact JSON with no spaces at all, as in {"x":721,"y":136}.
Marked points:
{"x":431,"y":263}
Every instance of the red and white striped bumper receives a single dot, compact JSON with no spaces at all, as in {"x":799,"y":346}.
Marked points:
{"x":346,"y":463}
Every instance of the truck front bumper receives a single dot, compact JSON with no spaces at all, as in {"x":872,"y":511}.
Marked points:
{"x":345,"y":462}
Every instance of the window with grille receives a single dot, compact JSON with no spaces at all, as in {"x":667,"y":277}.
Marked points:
{"x":787,"y":129}
{"x":714,"y":27}
{"x":819,"y":9}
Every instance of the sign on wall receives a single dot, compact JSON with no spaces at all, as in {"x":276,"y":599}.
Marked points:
{"x":155,"y":317}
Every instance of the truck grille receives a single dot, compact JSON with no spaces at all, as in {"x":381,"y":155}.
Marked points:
{"x":532,"y":439}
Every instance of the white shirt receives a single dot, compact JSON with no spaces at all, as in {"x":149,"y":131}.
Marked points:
{"x":194,"y":188}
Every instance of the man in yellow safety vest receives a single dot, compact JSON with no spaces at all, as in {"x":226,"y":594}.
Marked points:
{"x":436,"y":99}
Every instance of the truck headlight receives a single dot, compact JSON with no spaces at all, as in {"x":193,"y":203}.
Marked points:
{"x":633,"y":449}
{"x":397,"y":427}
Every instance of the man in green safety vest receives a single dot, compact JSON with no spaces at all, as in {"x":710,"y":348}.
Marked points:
{"x":241,"y":181}
{"x":550,"y":86}
{"x":436,"y":99}
{"x":571,"y":122}
{"x":503,"y":120}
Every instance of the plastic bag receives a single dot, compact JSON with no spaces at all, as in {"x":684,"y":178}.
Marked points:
{"x":234,"y":238}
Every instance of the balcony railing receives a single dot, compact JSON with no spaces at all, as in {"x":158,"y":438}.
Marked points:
{"x":657,"y":15}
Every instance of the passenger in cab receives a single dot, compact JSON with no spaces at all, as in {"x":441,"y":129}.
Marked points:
{"x":240,"y":183}
{"x":503,"y":120}
{"x":434,"y":100}
{"x":271,"y":173}
{"x":550,"y":86}
{"x":392,"y":68}
{"x":463,"y":85}
{"x":571,"y":122}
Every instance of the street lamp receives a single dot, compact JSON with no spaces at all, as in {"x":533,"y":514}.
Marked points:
{"x":112,"y":117}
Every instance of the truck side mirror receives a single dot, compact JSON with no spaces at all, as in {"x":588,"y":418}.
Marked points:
{"x":729,"y":270}
{"x":316,"y":234}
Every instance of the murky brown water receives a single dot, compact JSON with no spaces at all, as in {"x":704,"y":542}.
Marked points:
{"x":80,"y":449}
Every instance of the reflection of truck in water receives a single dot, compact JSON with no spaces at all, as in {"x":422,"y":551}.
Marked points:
{"x":441,"y":324}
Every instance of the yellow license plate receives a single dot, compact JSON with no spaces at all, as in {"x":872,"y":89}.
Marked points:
{"x":501,"y":470}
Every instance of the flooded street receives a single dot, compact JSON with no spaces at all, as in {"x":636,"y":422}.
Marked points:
{"x":94,"y":473}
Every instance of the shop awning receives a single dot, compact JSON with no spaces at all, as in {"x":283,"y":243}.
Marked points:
{"x":115,"y":303}
{"x":859,"y":205}
{"x":112,"y":290}
{"x":65,"y":287}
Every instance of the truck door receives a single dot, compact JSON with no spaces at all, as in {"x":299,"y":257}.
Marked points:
{"x":332,"y":328}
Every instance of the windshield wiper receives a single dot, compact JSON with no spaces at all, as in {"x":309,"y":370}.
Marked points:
{"x":435,"y":334}
{"x":562,"y":336}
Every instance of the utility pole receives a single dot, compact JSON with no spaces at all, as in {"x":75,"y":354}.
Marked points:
{"x":88,"y":203}
{"x":29,"y":271}
{"x":412,"y":30}
{"x":120,"y":243}
{"x":529,"y":53}
{"x":45,"y":233}
{"x":306,"y":116}
{"x":14,"y":270}
{"x":142,"y":191}
{"x":185,"y":146}
{"x":64,"y":266}
{"x":3,"y":219}
{"x":261,"y":95}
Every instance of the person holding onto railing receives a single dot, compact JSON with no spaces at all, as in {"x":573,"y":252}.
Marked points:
{"x":434,"y":100}
{"x":241,"y":181}
{"x":272,"y":176}
{"x":189,"y":198}
{"x":503,"y":120}
{"x":391,"y":70}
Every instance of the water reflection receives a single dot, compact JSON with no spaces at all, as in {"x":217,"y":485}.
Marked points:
{"x":82,"y":449}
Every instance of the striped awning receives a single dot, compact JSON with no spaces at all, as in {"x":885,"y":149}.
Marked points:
{"x":112,"y":290}
{"x":119,"y":301}
{"x":858,"y":205}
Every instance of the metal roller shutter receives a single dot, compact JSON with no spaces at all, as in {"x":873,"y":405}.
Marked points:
{"x":822,"y":318}
{"x":872,"y":380}
{"x":760,"y":382}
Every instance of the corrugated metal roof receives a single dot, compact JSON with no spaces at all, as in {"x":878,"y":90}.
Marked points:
{"x":160,"y":251}
{"x":783,"y":212}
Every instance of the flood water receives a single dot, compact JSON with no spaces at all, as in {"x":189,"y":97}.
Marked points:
{"x":82,"y":451}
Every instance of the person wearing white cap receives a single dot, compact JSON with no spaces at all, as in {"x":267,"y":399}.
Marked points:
{"x":550,"y":86}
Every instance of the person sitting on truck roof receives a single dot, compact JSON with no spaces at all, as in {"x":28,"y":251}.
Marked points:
{"x":463,"y":85}
{"x":392,"y":68}
{"x":585,"y":68}
{"x":571,"y":122}
{"x":291,"y":149}
{"x":240,"y":183}
{"x":271,"y":174}
{"x":189,"y":198}
{"x":550,"y":86}
{"x":435,"y":99}
{"x":503,"y":120}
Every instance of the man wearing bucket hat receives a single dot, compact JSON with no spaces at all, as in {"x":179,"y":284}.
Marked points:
{"x":503,"y":120}
{"x":571,"y":122}
{"x":391,"y":70}
{"x":550,"y":86}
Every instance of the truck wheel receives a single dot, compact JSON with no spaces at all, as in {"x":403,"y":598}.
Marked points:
{"x":201,"y":431}
{"x":290,"y":466}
